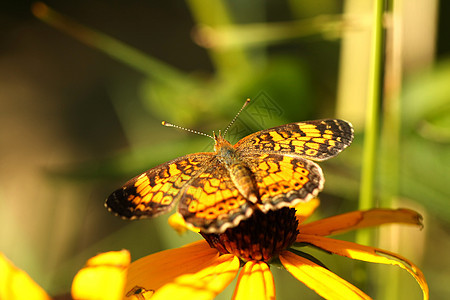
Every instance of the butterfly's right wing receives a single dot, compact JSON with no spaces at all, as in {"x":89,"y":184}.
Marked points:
{"x":157,"y":190}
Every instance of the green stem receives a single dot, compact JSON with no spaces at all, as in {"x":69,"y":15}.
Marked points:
{"x":367,"y":194}
{"x":388,"y":286}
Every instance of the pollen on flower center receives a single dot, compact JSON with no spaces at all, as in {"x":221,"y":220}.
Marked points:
{"x":261,"y":237}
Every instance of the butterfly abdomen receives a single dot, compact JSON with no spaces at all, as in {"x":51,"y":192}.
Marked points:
{"x":242,"y":178}
{"x":240,"y":174}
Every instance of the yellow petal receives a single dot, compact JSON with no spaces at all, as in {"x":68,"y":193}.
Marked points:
{"x":325,"y":283}
{"x":360,"y":219}
{"x":305,"y":209}
{"x":205,"y":284}
{"x":15,"y":284}
{"x":369,"y":254}
{"x":103,"y":277}
{"x":155,"y":270}
{"x":255,"y":281}
{"x":177,"y":222}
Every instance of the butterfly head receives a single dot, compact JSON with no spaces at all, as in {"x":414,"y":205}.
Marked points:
{"x":220,"y":142}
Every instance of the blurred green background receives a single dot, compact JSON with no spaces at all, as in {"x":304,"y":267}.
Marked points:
{"x":81,"y":113}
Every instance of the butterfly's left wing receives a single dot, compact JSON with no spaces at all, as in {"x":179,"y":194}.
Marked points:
{"x":315,"y":140}
{"x":157,"y":190}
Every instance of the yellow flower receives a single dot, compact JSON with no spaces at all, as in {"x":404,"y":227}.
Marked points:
{"x":15,"y":284}
{"x":199,"y":271}
{"x":203,"y":269}
{"x":103,"y":278}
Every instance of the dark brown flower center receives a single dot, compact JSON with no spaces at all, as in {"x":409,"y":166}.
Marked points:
{"x":261,"y":237}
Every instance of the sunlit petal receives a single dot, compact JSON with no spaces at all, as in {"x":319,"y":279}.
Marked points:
{"x":153,"y":271}
{"x":305,"y":209}
{"x":369,"y":254}
{"x":323,"y":282}
{"x":205,"y":284}
{"x":103,"y":277}
{"x":177,"y":222}
{"x":255,"y":282}
{"x":360,"y":219}
{"x":15,"y":284}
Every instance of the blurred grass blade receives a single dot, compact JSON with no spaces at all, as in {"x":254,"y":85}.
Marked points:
{"x":215,"y":13}
{"x":110,"y":46}
{"x":262,"y":34}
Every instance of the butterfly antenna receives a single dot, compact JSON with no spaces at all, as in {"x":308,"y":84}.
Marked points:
{"x":237,"y":115}
{"x":187,"y":129}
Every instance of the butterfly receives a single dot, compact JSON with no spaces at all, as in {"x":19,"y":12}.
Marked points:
{"x":266,"y":170}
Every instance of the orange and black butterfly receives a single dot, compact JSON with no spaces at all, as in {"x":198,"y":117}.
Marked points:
{"x":267,"y":170}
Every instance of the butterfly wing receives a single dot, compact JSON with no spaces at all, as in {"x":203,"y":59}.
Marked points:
{"x":212,"y":202}
{"x":316,"y":140}
{"x":284,"y":181}
{"x":208,"y":197}
{"x":157,"y":190}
